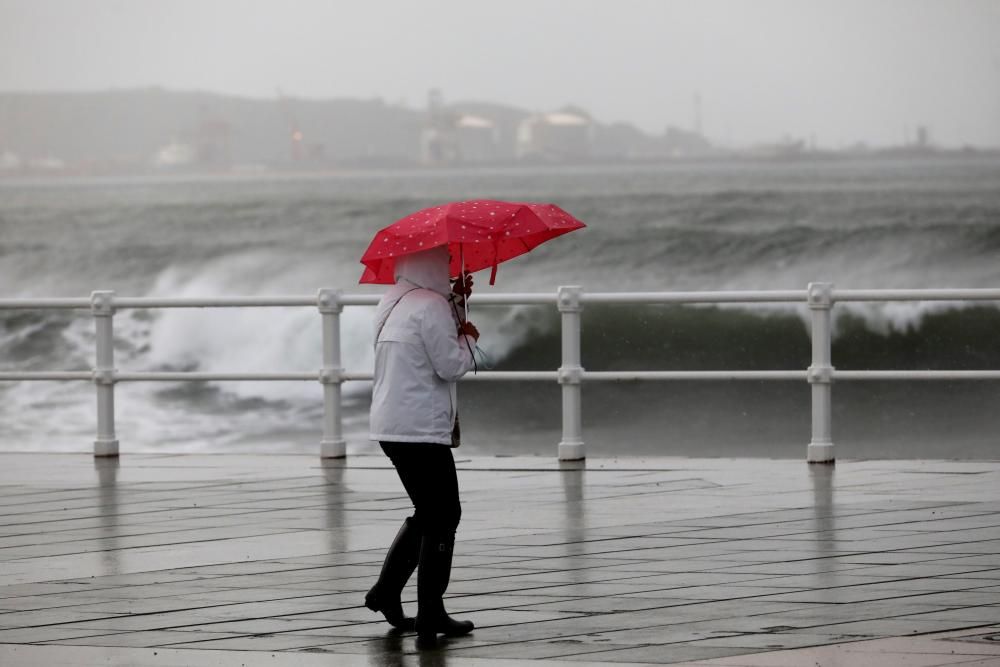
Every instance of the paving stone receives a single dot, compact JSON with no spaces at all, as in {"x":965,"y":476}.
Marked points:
{"x":664,"y":654}
{"x":142,"y":639}
{"x":39,"y":634}
{"x":778,"y":640}
{"x":253,"y":643}
{"x":927,"y":651}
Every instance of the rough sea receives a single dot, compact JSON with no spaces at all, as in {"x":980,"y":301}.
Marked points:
{"x":684,"y":226}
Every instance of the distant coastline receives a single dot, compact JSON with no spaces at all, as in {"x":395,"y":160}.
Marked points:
{"x":151,"y":132}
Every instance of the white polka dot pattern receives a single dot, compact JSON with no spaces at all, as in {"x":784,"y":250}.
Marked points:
{"x":485,"y":232}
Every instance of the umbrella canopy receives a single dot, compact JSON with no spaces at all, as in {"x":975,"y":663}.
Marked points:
{"x":481,"y":232}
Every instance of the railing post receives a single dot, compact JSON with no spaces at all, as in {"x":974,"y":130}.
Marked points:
{"x":333,"y":445}
{"x":821,"y":374}
{"x":570,"y":375}
{"x":102,"y":306}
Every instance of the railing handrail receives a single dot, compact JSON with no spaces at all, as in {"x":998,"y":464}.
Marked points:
{"x":590,"y":376}
{"x":819,"y":297}
{"x":524,"y":298}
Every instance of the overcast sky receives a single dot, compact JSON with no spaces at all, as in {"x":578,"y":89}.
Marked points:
{"x":838,"y":70}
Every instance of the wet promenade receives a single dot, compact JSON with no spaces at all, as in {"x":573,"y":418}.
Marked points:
{"x":264,"y":560}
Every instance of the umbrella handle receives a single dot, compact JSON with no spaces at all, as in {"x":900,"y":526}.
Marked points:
{"x":465,"y":300}
{"x":475,"y":366}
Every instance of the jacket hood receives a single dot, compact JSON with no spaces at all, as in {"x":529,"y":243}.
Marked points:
{"x":427,"y":269}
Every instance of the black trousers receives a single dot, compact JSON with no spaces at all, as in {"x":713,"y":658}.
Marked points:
{"x":428,"y":474}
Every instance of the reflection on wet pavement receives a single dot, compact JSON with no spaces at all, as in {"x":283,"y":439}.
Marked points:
{"x":107,"y":489}
{"x":234,"y":559}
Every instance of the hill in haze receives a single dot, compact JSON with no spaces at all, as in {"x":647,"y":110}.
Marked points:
{"x":146,"y":129}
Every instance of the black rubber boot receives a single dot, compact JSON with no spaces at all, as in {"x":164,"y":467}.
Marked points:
{"x":400,"y":561}
{"x":432,"y":582}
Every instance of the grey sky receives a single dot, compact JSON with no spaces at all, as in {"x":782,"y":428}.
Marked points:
{"x":840,"y":70}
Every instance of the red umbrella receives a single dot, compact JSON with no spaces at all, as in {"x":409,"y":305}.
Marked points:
{"x":481,"y":232}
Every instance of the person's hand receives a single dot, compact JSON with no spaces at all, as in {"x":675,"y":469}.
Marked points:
{"x":468,"y":329}
{"x":463,"y":289}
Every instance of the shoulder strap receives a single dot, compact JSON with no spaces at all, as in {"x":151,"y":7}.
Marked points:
{"x":392,"y":308}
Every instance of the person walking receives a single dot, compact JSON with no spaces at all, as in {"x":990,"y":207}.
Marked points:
{"x":422,"y":347}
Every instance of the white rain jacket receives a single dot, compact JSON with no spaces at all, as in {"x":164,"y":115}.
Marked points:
{"x":418,"y":354}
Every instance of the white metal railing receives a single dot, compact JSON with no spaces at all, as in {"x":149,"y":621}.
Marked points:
{"x":820,"y":297}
